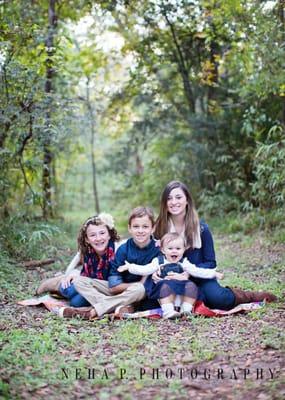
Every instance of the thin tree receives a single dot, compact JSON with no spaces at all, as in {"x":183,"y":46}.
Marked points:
{"x":47,"y":152}
{"x":92,"y":144}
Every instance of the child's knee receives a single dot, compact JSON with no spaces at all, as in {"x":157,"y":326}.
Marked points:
{"x":74,"y":302}
{"x":138,"y":289}
{"x":165,"y":290}
{"x":78,"y":301}
{"x":221,"y":299}
{"x":191,"y":290}
{"x":67,"y":292}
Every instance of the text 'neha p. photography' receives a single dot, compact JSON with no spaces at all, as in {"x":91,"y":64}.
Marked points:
{"x":170,"y":373}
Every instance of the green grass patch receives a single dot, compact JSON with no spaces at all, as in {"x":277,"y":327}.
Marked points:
{"x":273,"y":338}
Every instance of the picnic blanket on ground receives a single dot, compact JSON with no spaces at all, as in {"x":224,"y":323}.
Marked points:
{"x":53,"y":304}
{"x":50,"y":302}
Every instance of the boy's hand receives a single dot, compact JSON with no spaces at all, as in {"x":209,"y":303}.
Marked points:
{"x":219,"y":275}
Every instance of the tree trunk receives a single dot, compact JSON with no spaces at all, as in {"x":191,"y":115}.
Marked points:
{"x":47,"y":152}
{"x":212,"y":88}
{"x":281,"y":12}
{"x":182,"y":67}
{"x":92,"y":143}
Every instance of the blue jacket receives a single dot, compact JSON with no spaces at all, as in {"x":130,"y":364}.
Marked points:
{"x":131,"y":253}
{"x":205,"y":256}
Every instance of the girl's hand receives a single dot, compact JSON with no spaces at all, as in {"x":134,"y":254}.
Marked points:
{"x":123,"y":268}
{"x":219,"y":275}
{"x":67,"y":280}
{"x":184,"y":276}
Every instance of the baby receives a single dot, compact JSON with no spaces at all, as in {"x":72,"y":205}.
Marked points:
{"x":172,"y":248}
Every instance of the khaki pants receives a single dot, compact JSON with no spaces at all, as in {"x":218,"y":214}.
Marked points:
{"x":98,"y":294}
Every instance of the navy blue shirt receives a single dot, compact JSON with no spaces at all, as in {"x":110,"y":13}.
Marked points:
{"x":205,"y":256}
{"x":131,"y":253}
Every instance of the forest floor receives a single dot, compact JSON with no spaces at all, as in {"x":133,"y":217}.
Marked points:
{"x":232,"y":357}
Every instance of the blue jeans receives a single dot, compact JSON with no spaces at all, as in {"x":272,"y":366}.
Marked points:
{"x":75,"y":299}
{"x":214,"y":295}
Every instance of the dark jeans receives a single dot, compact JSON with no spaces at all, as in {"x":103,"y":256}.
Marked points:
{"x":214,"y":295}
{"x":75,"y":299}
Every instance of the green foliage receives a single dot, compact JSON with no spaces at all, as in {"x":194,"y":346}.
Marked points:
{"x":213,"y":147}
{"x":180,"y":94}
{"x":23,"y":239}
{"x":269,"y":168}
{"x":246,"y":223}
{"x":32,"y":118}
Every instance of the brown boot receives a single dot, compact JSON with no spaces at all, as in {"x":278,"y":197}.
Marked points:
{"x":50,"y":285}
{"x":247,"y":296}
{"x":82,"y":312}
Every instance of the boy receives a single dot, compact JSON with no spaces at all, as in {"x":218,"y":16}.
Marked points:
{"x":139,"y":249}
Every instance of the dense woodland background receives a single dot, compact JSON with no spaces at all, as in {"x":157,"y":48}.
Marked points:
{"x":104,"y":102}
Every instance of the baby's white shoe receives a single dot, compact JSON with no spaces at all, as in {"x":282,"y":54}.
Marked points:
{"x":168,"y":311}
{"x":186,"y":309}
{"x":171,"y":315}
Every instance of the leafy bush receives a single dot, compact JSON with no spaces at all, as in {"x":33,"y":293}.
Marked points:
{"x":269,"y":167}
{"x":24,"y":239}
{"x":218,"y":202}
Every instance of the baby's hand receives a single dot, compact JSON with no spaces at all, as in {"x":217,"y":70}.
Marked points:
{"x":123,"y":268}
{"x":219,"y":275}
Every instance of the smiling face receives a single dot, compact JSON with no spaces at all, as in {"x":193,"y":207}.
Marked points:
{"x":176,"y":202}
{"x":97,"y":236}
{"x":173,"y":250}
{"x":141,"y":229}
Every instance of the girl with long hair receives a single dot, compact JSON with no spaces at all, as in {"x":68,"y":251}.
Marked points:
{"x":178,"y":214}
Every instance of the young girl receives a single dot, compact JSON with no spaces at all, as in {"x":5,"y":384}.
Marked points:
{"x":178,"y":214}
{"x":96,"y":248}
{"x":172,"y":282}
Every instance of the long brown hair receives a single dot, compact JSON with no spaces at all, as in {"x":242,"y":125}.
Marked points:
{"x":191,"y":217}
{"x":83,"y":246}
